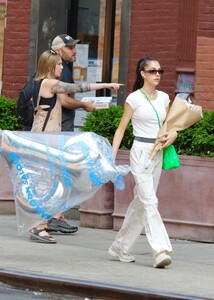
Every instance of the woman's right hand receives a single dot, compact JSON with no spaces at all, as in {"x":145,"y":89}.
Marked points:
{"x":168,"y":138}
{"x":114,"y":86}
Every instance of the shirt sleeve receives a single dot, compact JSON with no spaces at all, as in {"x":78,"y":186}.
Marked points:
{"x":131,"y":101}
{"x":167,"y":100}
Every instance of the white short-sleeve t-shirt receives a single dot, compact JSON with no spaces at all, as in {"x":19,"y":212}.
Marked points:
{"x":144,"y":119}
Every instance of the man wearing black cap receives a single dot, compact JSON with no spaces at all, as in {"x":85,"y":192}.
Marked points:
{"x":64,"y":45}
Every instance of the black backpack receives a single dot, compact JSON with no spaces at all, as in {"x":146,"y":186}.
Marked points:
{"x":25,"y":104}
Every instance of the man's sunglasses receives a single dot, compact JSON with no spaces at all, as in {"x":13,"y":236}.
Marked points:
{"x":154,"y":72}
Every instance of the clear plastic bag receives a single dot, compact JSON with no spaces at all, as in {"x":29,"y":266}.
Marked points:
{"x":53,"y":172}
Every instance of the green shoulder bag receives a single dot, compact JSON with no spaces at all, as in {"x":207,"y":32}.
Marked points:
{"x":170,"y":156}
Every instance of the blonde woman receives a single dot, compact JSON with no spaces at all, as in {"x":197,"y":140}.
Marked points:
{"x":46,"y":101}
{"x":48,"y":84}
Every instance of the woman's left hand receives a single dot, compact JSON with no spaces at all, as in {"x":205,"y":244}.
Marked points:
{"x":168,"y":138}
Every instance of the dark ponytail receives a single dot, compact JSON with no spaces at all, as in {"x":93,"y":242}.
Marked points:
{"x":139,"y":81}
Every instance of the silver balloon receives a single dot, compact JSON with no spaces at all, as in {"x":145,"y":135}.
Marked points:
{"x":52,"y":172}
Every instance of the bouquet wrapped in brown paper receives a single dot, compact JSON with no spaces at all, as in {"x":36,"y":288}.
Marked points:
{"x":181,"y":115}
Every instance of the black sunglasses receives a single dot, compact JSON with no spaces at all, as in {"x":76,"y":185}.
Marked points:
{"x":154,"y":72}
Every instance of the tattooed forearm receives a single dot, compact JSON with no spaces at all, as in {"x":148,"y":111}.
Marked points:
{"x":67,"y":88}
{"x":84,"y":87}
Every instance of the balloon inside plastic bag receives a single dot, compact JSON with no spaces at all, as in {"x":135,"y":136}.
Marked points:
{"x":53,"y":172}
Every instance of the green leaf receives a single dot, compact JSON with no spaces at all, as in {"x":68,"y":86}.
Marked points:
{"x":8,"y":114}
{"x":105,"y":122}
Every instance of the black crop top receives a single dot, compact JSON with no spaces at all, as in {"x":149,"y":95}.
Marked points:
{"x":42,"y":101}
{"x":47,"y":101}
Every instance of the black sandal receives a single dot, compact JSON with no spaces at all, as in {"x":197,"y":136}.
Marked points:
{"x":35,"y":235}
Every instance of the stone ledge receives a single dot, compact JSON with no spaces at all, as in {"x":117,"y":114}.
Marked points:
{"x":7,"y":207}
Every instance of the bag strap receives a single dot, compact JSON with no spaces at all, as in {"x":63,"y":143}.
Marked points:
{"x":49,"y":112}
{"x":36,"y":97}
{"x":159,"y":123}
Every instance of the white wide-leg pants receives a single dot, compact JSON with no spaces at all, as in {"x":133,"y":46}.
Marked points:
{"x":143,"y":211}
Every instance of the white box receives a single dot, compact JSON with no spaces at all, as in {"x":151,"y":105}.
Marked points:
{"x":100,"y":102}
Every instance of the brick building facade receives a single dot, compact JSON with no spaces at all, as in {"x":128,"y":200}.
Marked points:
{"x":205,"y":55}
{"x":16,"y":47}
{"x":155,"y":29}
{"x":180,"y":33}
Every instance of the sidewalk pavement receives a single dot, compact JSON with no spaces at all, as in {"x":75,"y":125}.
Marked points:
{"x":83,"y":256}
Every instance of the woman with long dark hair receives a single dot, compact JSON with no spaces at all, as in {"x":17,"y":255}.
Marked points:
{"x":142,"y":107}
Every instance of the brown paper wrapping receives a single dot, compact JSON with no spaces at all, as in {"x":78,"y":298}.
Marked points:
{"x":181,"y":115}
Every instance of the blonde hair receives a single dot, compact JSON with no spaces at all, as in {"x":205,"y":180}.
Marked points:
{"x":47,"y":64}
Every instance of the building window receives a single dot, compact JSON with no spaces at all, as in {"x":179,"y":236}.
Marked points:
{"x":188,"y":12}
{"x":188,"y":18}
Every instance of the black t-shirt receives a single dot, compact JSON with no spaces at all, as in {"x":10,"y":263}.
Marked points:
{"x":68,"y":115}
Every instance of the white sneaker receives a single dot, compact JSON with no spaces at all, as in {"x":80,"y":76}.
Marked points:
{"x":123,"y":257}
{"x":162,"y":260}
